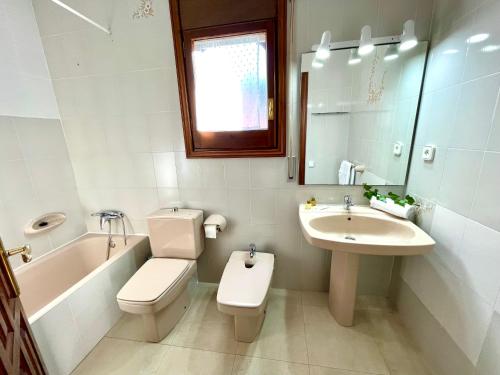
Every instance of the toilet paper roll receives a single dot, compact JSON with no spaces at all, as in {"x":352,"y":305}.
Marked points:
{"x":211,"y":231}
{"x":214,"y":224}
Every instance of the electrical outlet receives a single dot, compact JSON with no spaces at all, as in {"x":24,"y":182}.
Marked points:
{"x":428,"y":152}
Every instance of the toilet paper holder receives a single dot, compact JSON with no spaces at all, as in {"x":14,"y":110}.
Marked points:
{"x":219,"y":221}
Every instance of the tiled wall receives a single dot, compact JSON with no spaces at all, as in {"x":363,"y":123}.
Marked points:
{"x":459,"y":283}
{"x":26,"y":89}
{"x":120,"y":109}
{"x":36,"y":176}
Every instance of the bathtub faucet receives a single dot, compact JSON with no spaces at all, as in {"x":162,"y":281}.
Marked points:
{"x":107,"y":216}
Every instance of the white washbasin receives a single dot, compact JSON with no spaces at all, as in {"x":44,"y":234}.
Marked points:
{"x":362,"y":230}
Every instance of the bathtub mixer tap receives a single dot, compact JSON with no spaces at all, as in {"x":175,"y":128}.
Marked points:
{"x":107,"y":216}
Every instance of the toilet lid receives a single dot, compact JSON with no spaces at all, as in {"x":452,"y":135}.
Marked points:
{"x":153,"y":279}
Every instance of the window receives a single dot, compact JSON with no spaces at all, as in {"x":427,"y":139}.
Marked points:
{"x":232,"y":97}
{"x":237,"y":67}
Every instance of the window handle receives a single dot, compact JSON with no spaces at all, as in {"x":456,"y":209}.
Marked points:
{"x":270,"y":109}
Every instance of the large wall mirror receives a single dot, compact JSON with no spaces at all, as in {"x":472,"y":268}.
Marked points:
{"x":358,"y":115}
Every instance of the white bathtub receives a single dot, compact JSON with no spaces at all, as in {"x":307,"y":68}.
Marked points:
{"x":69,"y":295}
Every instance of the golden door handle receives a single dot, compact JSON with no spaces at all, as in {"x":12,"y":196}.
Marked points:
{"x":25,"y":252}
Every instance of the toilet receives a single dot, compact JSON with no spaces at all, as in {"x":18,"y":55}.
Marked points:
{"x":158,"y":290}
{"x":243,"y":291}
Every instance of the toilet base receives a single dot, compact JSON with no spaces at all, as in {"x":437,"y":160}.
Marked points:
{"x":159,"y":324}
{"x":246,"y":328}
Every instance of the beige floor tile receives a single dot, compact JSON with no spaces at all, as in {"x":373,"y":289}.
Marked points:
{"x":317,"y":370}
{"x":121,"y":357}
{"x":315,"y":298}
{"x":290,"y":296}
{"x":204,"y":326}
{"x":214,"y":336}
{"x":282,"y":336}
{"x":400,"y":355}
{"x":376,"y":303}
{"x":204,"y":306}
{"x":260,"y":366}
{"x":129,"y":327}
{"x":184,"y":361}
{"x":347,"y":348}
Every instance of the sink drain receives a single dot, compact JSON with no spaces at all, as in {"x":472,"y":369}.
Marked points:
{"x":351,"y":238}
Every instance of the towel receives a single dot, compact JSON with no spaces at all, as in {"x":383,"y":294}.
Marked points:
{"x":406,"y":212}
{"x":346,"y":173}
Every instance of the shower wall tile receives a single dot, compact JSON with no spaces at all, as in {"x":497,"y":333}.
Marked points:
{"x":37,"y":178}
{"x":26,"y":86}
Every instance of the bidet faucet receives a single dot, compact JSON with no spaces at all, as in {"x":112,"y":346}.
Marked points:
{"x":253,"y":249}
{"x":348,"y":202}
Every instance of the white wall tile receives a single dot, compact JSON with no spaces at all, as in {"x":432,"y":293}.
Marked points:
{"x":448,"y":231}
{"x":41,"y":138}
{"x":482,"y":58}
{"x":480,"y":260}
{"x":237,"y":173}
{"x":476,"y":106}
{"x":438,"y":107}
{"x":263,"y":208}
{"x":212,"y":173}
{"x":486,"y":207}
{"x":425,"y":177}
{"x":166,"y":174}
{"x":462,"y":313}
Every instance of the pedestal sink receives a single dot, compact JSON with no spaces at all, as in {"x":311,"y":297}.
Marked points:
{"x":351,"y":233}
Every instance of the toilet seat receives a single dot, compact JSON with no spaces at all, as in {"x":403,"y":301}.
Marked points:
{"x":157,"y":283}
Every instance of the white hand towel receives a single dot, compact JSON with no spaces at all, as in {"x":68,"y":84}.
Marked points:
{"x":345,"y":172}
{"x":406,"y":212}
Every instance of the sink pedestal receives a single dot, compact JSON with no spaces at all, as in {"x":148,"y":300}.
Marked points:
{"x":343,"y":282}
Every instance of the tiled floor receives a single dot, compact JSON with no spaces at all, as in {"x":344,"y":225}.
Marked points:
{"x":299,"y":337}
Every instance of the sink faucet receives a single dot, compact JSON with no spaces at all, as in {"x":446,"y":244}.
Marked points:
{"x":348,"y":202}
{"x":253,"y":249}
{"x":106,"y":216}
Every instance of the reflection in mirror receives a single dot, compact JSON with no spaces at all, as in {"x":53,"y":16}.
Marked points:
{"x":359,"y":114}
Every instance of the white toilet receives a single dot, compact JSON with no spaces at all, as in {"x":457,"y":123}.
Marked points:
{"x":158,"y":290}
{"x":243,"y":291}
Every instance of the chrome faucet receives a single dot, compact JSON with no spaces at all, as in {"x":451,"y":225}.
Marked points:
{"x":253,"y":249}
{"x":106,"y":216}
{"x":348,"y":202}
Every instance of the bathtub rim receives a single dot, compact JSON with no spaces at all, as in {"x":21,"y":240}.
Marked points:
{"x":63,"y":296}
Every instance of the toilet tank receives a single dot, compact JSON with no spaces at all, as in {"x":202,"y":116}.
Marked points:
{"x":176,"y":234}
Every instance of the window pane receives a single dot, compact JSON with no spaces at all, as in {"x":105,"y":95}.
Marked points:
{"x":230,"y":76}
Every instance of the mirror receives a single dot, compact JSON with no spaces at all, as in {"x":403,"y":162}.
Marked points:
{"x":358,"y":115}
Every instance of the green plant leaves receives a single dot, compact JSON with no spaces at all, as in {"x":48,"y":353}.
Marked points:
{"x":370,"y":192}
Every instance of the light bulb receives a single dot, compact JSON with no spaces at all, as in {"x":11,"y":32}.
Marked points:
{"x":366,"y":44}
{"x":408,"y":38}
{"x":323,"y":51}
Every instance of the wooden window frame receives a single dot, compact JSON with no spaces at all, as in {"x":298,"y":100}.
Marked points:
{"x":246,"y":143}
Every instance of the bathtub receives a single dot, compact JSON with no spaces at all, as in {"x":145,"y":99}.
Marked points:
{"x":69,"y":295}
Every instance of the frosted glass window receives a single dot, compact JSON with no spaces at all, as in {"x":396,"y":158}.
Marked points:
{"x":230,"y":75}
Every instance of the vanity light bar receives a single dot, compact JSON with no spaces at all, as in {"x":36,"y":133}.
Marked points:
{"x":83,"y":17}
{"x":355,"y":43}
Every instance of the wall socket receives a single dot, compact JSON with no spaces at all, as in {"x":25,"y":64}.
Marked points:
{"x":428,"y":152}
